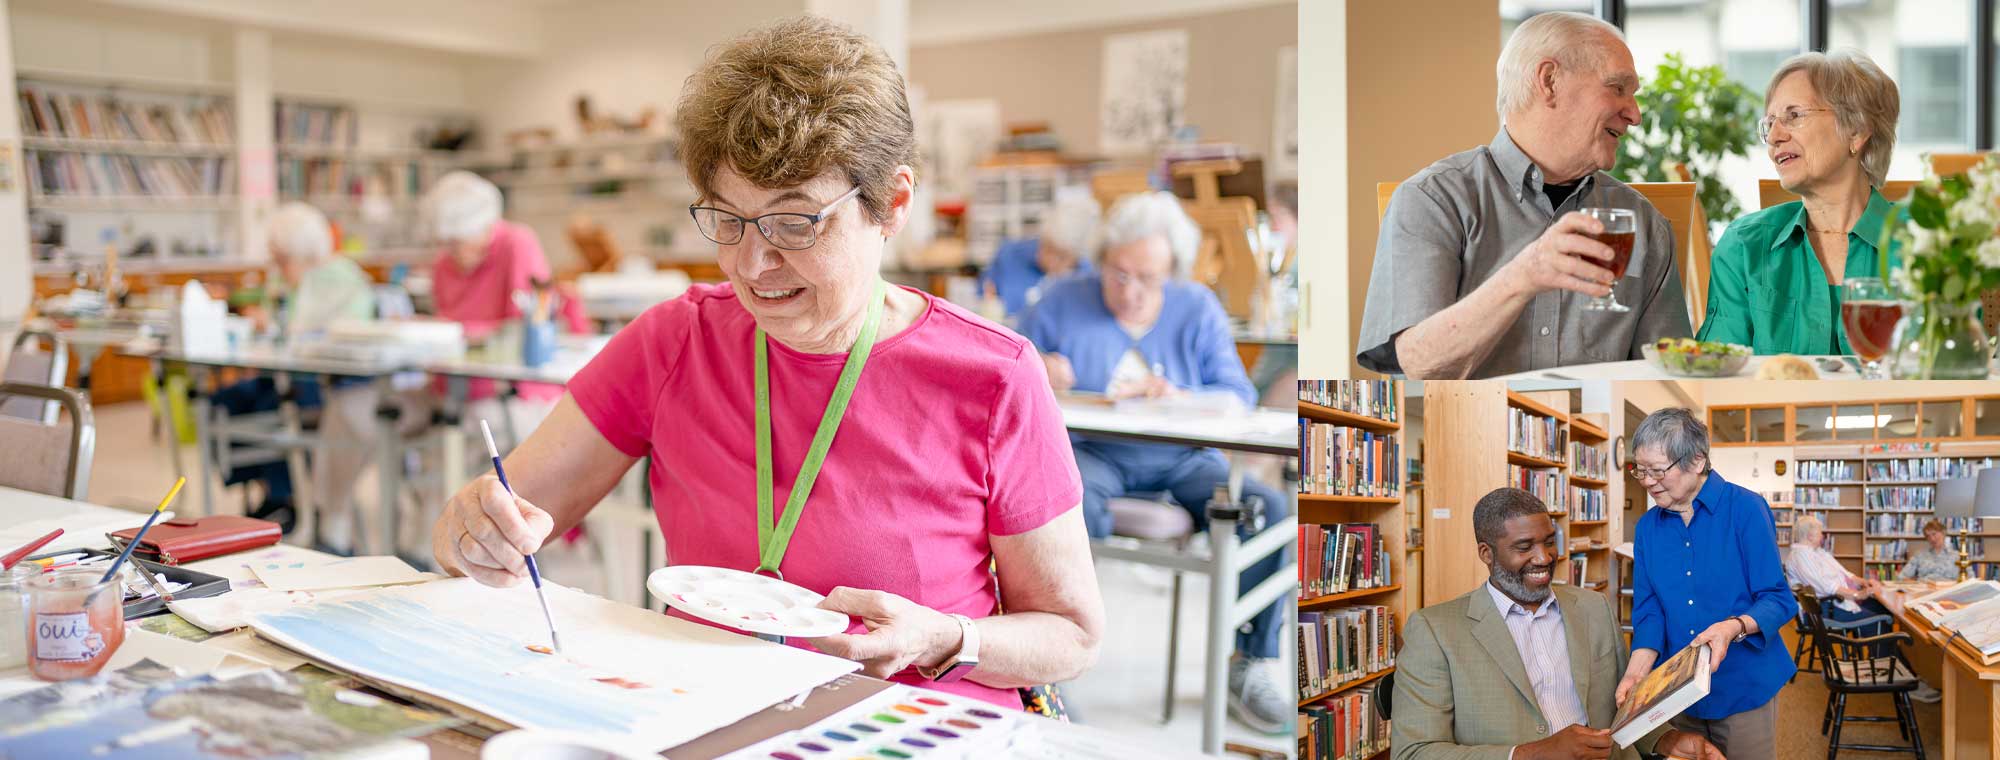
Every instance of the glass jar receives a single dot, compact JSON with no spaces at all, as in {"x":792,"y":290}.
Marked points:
{"x":13,"y":606}
{"x":1937,"y":340}
{"x":74,"y":622}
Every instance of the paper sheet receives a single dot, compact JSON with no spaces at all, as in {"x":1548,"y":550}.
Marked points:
{"x":340,"y":572}
{"x":627,"y":671}
{"x":237,"y":567}
{"x":187,"y":657}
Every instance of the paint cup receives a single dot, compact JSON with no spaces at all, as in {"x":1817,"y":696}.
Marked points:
{"x":540,"y":744}
{"x":538,"y":343}
{"x":13,"y":615}
{"x":74,"y":622}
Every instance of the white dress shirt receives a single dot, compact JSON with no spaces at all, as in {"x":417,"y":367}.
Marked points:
{"x":1544,"y":649}
{"x":1817,"y":569}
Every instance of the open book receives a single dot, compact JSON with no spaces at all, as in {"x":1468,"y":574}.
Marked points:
{"x":1662,"y":694}
{"x":1937,"y":605}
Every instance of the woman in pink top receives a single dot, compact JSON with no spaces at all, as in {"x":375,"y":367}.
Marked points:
{"x":950,"y":452}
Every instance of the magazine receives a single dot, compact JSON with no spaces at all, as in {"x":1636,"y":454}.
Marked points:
{"x":1662,"y":694}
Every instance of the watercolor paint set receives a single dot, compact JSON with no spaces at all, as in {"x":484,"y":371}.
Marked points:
{"x":901,"y":723}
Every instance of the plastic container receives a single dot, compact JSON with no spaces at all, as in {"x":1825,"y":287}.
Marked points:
{"x":538,"y":343}
{"x":74,"y":622}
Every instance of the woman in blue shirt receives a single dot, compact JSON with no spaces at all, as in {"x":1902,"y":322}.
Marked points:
{"x":1138,"y":328}
{"x":1706,"y":571}
{"x":1021,"y":266}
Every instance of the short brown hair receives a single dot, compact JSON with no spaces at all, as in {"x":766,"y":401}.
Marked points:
{"x":1933,"y":525}
{"x":790,"y":101}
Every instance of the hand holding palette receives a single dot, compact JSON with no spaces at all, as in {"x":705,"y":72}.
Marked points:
{"x":745,"y":601}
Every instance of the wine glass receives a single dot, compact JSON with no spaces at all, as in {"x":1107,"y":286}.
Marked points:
{"x":1869,"y":312}
{"x":1621,"y":227}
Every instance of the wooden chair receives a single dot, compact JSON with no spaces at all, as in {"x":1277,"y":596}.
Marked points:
{"x":1947,"y":164}
{"x":1770,"y":193}
{"x":52,"y":459}
{"x":1680,"y":203}
{"x":1805,"y":655}
{"x":1865,"y":665}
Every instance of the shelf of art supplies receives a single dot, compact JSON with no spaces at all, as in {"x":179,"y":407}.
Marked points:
{"x":1350,"y":595}
{"x":1329,"y":414}
{"x":126,"y":147}
{"x":1362,"y":681}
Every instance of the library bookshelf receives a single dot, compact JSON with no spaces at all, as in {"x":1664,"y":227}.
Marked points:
{"x":1381,"y":504}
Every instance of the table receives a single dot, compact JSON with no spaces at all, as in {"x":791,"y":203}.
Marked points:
{"x":83,"y":519}
{"x":1270,"y":432}
{"x":1971,"y":689}
{"x":1640,"y":369}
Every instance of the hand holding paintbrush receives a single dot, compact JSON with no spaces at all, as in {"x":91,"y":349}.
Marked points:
{"x":534,"y":573}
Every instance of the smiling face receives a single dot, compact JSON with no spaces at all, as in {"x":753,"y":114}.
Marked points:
{"x":814,"y":299}
{"x":1521,"y":563}
{"x":1135,"y":276}
{"x":1592,"y":111}
{"x":1936,"y":538}
{"x":1679,"y":484}
{"x":1814,"y":150}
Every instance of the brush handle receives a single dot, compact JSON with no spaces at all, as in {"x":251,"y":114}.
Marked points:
{"x":129,"y":546}
{"x":16,"y":555}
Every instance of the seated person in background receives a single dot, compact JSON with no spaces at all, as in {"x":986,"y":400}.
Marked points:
{"x":1937,"y":561}
{"x":1777,"y":278}
{"x":1843,"y":597}
{"x":318,"y":288}
{"x":1483,"y":265}
{"x":1137,"y":327}
{"x":1021,"y":268}
{"x":1490,"y":671}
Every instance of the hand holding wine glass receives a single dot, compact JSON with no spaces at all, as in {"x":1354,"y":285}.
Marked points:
{"x":1620,"y":231}
{"x":1565,"y":257}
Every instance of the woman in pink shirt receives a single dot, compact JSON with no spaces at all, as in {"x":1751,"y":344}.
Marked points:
{"x":950,"y":453}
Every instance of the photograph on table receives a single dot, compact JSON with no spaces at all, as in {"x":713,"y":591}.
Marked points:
{"x":1629,"y":190}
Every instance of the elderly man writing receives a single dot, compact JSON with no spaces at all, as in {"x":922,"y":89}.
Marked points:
{"x":1484,"y":265}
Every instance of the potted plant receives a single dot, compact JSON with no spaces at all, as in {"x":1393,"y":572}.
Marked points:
{"x":1693,"y":115}
{"x":1950,"y":255}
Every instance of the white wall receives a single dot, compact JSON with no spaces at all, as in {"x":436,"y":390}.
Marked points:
{"x":938,"y":21}
{"x":16,"y":286}
{"x":1323,"y":231}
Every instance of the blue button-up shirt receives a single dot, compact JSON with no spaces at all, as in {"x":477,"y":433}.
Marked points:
{"x":1689,"y":576}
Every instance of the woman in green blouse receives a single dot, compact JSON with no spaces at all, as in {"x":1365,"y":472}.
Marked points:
{"x":1775,"y":278}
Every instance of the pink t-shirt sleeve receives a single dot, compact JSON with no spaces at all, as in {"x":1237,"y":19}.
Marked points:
{"x":1031,"y":471}
{"x":618,"y":388}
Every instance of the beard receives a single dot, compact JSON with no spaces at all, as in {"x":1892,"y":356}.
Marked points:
{"x":1514,"y":583}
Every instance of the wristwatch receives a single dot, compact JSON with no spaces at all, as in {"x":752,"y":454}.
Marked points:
{"x":1745,"y":633}
{"x":958,"y":665}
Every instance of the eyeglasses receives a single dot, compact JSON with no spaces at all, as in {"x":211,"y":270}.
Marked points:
{"x":1643,"y":473}
{"x":1125,"y":279}
{"x":789,"y":231}
{"x":1789,"y":119}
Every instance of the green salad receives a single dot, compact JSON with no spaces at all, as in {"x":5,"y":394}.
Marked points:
{"x":1687,"y":356}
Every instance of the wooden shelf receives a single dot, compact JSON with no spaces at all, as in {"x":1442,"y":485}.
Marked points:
{"x":1889,"y":483}
{"x":109,"y":203}
{"x":1315,"y":498}
{"x":1525,"y":460}
{"x":1413,"y":485}
{"x":1414,"y":550}
{"x":1344,"y":596}
{"x":1587,"y":523}
{"x":125,"y":147}
{"x":1874,"y":511}
{"x":1851,"y":556}
{"x":1840,"y":530}
{"x":1319,"y":413}
{"x":1519,"y":401}
{"x":1580,"y":429}
{"x":1363,"y":681}
{"x":1578,"y":480}
{"x":1796,"y":484}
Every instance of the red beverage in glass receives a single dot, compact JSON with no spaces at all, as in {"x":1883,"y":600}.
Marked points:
{"x":1870,"y":326}
{"x":1621,"y":251}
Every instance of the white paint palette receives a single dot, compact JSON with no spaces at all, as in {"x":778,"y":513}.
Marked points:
{"x":745,"y":601}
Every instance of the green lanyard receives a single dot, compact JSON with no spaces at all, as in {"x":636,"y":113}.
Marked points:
{"x":771,"y":541}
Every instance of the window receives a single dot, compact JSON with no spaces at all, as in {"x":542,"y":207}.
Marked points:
{"x":1925,"y":47}
{"x":1513,"y":12}
{"x":1986,"y":417}
{"x":1726,"y":425}
{"x":1812,"y":423}
{"x":1933,"y":89}
{"x":1899,"y":420}
{"x":1943,"y":419}
{"x":1753,"y":68}
{"x":1768,"y":425}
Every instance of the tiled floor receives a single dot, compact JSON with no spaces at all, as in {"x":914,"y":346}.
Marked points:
{"x":1123,"y":693}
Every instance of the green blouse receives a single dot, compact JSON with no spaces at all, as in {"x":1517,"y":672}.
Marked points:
{"x":1766,"y":289}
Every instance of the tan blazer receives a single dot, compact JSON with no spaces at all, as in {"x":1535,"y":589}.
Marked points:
{"x":1462,"y":692}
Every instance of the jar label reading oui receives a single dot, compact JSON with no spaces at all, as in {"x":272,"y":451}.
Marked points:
{"x":66,"y":637}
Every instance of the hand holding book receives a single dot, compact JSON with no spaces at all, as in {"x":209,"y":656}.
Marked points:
{"x":1576,"y":741}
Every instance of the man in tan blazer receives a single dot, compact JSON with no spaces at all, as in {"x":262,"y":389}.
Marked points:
{"x":1517,"y":669}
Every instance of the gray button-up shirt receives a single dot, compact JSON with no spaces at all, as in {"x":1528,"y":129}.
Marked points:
{"x":1456,"y":223}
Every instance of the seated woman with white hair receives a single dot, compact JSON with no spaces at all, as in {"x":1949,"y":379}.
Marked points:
{"x":314,"y":288}
{"x":1843,"y":596}
{"x":1137,"y":327}
{"x":1021,"y":267}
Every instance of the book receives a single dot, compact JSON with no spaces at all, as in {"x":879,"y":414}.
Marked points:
{"x":1662,"y":694}
{"x":1938,"y":604}
{"x":1980,"y":631}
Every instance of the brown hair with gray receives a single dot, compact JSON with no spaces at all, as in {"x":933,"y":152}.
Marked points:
{"x":1863,"y":99}
{"x":1933,"y":524}
{"x":793,"y":100}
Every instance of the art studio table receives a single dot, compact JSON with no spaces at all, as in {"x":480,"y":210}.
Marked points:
{"x":1640,"y":369}
{"x":1971,"y":688}
{"x":85,"y":524}
{"x":572,"y":353}
{"x":377,"y":530}
{"x":1268,"y":432}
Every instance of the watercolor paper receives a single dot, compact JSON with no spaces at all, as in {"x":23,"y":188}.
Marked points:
{"x":626,"y":671}
{"x":340,"y":572}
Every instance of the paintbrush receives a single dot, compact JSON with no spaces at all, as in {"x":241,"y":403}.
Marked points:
{"x":534,"y":573}
{"x":16,"y":555}
{"x":140,"y":536}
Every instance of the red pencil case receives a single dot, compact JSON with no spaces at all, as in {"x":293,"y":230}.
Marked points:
{"x":182,"y":539}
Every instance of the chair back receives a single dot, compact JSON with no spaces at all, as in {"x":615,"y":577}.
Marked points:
{"x":30,"y":363}
{"x":1680,"y":203}
{"x":1383,"y":192}
{"x":1947,"y":164}
{"x":50,"y":458}
{"x":1385,"y":695}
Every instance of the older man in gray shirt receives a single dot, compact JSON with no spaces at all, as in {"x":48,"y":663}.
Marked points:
{"x":1484,"y":267}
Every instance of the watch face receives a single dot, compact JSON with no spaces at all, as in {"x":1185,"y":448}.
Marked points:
{"x":955,"y":671}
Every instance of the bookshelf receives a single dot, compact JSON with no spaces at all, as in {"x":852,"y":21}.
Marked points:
{"x":1365,"y":484}
{"x":1585,"y":522}
{"x":360,"y":166}
{"x":1874,"y":498}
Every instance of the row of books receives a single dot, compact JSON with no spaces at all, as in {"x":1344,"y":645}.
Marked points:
{"x":1816,"y":497}
{"x":1586,"y":503}
{"x":1345,"y":727}
{"x":1903,"y":498}
{"x":1369,"y":398}
{"x":320,"y":177}
{"x":1913,"y":524}
{"x":1546,"y":485}
{"x":99,"y":174}
{"x":1535,"y":435}
{"x":1344,"y":644}
{"x":1589,"y":461}
{"x":1898,"y":550}
{"x":76,"y":116}
{"x":298,"y":124}
{"x":1934,"y":468}
{"x":1341,"y":557}
{"x":1348,"y":461}
{"x":1824,"y":471}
